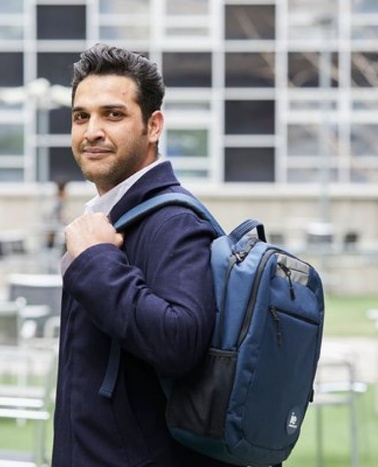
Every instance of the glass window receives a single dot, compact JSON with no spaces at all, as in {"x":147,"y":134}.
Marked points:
{"x":364,"y":175}
{"x":12,"y":105}
{"x":128,"y":33}
{"x":57,"y":67}
{"x":187,"y":18}
{"x":370,"y":103}
{"x":249,"y":165}
{"x":11,"y":139}
{"x":191,"y":173}
{"x":124,"y":6}
{"x":11,"y":175}
{"x":316,"y":6}
{"x":61,"y":22}
{"x":188,"y":7}
{"x":366,"y":32}
{"x":364,"y":140}
{"x":246,"y":22}
{"x":14,"y":6}
{"x":314,"y":30}
{"x":187,"y":106}
{"x":187,"y":143}
{"x":364,"y":6}
{"x":312,"y":19}
{"x":11,"y":32}
{"x":60,"y":121}
{"x":63,"y":165}
{"x":12,"y":69}
{"x":250,"y":117}
{"x":314,"y":104}
{"x":310,"y":175}
{"x":309,"y":140}
{"x":182,"y":69}
{"x":364,"y":69}
{"x":304,"y":69}
{"x":188,"y":31}
{"x":250,"y":69}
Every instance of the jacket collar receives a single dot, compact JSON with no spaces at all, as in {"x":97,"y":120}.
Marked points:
{"x":156,"y":180}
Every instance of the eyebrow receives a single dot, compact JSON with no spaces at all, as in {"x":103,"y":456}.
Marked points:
{"x":103,"y":107}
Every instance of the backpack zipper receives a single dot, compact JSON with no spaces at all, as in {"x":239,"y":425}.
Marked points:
{"x":252,"y":299}
{"x":236,"y":258}
{"x":276,"y":318}
{"x":287,"y":273}
{"x":296,"y":316}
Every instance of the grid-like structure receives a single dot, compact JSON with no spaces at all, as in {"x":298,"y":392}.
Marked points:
{"x":272,"y":91}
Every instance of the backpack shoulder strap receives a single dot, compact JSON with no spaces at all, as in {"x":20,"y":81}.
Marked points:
{"x":153,"y":204}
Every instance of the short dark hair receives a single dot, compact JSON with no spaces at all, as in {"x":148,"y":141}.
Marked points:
{"x":102,"y":59}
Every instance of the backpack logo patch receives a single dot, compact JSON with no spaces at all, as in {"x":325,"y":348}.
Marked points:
{"x":293,"y":420}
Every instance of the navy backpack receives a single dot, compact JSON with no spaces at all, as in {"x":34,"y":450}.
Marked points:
{"x":245,"y":403}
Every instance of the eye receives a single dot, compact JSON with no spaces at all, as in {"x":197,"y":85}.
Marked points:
{"x":115,"y":114}
{"x":79,"y":117}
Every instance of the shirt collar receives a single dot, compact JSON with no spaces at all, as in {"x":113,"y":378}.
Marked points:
{"x":106,"y":202}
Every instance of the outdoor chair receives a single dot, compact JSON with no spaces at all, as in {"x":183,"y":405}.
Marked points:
{"x":39,"y":290}
{"x":27,"y":382}
{"x":12,"y":243}
{"x":336,"y":385}
{"x":10,"y":321}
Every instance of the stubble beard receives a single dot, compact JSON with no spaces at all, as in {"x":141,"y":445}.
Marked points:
{"x":109,"y":173}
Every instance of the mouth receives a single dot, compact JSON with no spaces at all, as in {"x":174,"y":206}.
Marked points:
{"x":96,"y":152}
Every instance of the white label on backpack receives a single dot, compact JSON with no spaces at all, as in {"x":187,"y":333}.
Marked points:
{"x":299,"y":271}
{"x":294,"y":420}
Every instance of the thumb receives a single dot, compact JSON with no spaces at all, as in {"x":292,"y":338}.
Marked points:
{"x":119,"y":239}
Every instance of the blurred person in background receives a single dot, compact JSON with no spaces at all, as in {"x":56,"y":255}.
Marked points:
{"x":55,"y":219}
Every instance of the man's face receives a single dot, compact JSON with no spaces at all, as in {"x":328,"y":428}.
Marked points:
{"x":110,"y":141}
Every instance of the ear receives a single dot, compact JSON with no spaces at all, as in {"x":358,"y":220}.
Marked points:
{"x":155,"y":126}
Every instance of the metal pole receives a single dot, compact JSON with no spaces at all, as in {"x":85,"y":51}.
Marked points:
{"x":325,"y":70}
{"x":43,"y":163}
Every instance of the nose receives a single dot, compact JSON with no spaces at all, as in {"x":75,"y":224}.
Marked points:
{"x":94,"y":130}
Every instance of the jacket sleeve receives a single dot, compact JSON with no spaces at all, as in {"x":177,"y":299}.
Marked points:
{"x":161,"y":306}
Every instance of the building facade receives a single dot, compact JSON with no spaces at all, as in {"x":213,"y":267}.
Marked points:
{"x":258,"y":91}
{"x":271,"y":110}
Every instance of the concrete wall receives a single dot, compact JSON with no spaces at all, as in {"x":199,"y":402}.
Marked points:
{"x":289,"y":211}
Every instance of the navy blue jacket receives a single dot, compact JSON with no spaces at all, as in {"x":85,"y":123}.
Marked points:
{"x":161,"y":310}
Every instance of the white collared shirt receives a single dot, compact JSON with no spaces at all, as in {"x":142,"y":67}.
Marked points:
{"x":109,"y":199}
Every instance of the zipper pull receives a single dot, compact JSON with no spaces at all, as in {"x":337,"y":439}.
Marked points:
{"x":239,"y":256}
{"x":287,"y":273}
{"x":276,"y":318}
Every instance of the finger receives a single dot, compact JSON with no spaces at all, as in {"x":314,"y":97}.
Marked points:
{"x":120,"y":239}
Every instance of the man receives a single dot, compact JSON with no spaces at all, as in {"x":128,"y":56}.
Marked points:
{"x":155,"y":300}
